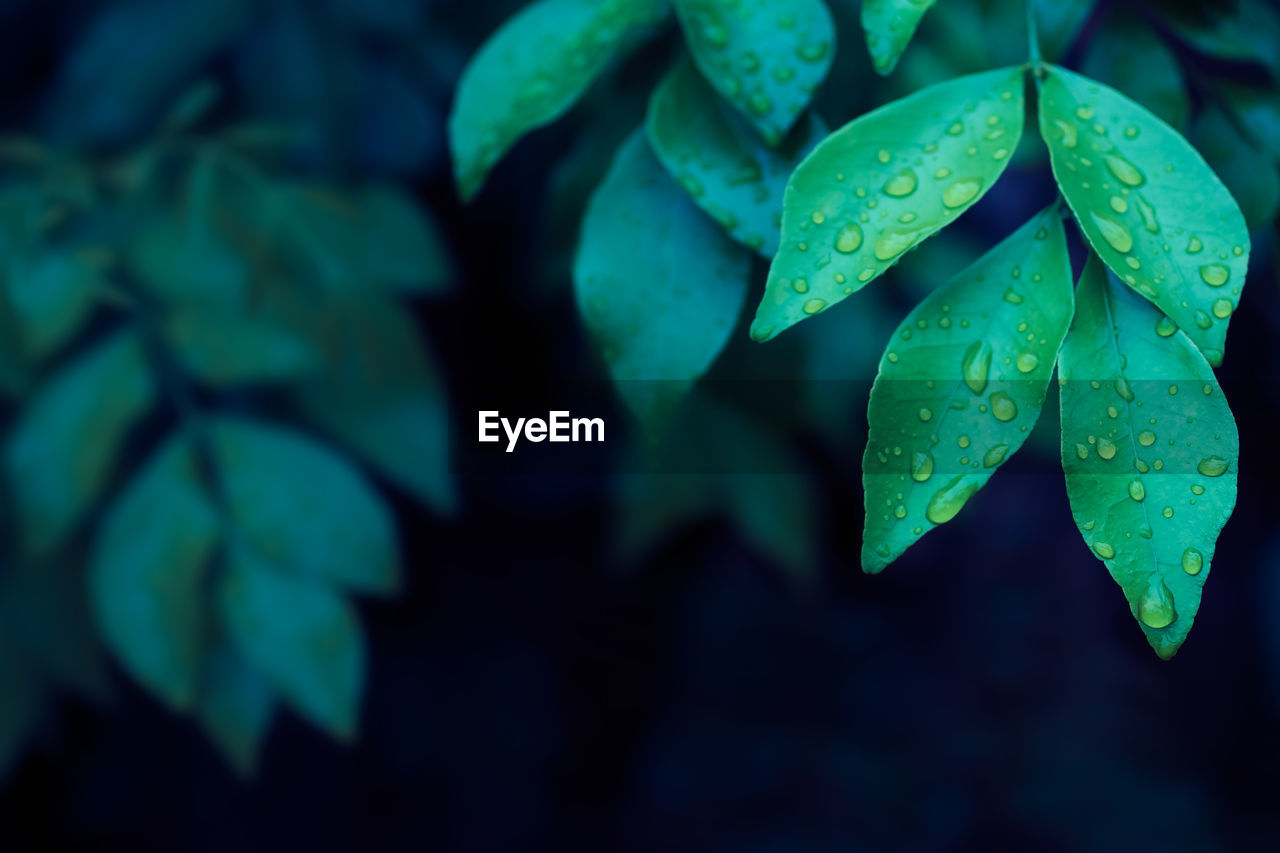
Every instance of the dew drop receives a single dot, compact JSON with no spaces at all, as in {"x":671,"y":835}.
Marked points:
{"x":1165,"y":327}
{"x":1192,"y":561}
{"x":1213,"y":466}
{"x":1027,"y":362}
{"x":1146,"y":438}
{"x":1215,"y":275}
{"x":1002,"y":407}
{"x":1116,"y":235}
{"x":1222,"y":308}
{"x":1125,"y":172}
{"x":813,"y":306}
{"x":961,"y":192}
{"x":1203,"y":320}
{"x":1104,"y":550}
{"x":1156,"y":608}
{"x":976,"y":365}
{"x":901,"y":184}
{"x":894,"y":242}
{"x":1106,"y":448}
{"x":950,"y":499}
{"x":849,"y":239}
{"x":1137,"y":491}
{"x":926,"y":415}
{"x":921,"y":466}
{"x":995,"y":455}
{"x":1118,"y":204}
{"x":1082,"y":451}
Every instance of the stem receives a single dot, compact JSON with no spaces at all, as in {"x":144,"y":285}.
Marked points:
{"x":1033,"y":37}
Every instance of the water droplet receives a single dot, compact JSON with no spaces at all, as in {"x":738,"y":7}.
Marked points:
{"x":883,"y":155}
{"x":1197,"y":489}
{"x":1123,"y":389}
{"x":1222,"y":308}
{"x":1203,"y":320}
{"x":1215,"y":275}
{"x":849,"y":239}
{"x":1012,"y":296}
{"x":1116,"y":235}
{"x":921,"y":466}
{"x":1137,"y":491}
{"x":800,"y":285}
{"x":1106,"y":448}
{"x":1125,"y":172}
{"x":926,"y":415}
{"x":956,"y":129}
{"x":813,"y":306}
{"x":1213,"y":466}
{"x":1156,"y":608}
{"x":1118,"y":204}
{"x":1082,"y":451}
{"x":894,"y":242}
{"x":961,"y":192}
{"x":1084,"y":113}
{"x":1192,"y":561}
{"x":1194,"y":246}
{"x":900,"y":511}
{"x":1130,"y":132}
{"x":760,"y":104}
{"x":901,"y":184}
{"x":942,"y":172}
{"x":976,"y":365}
{"x":1027,"y":362}
{"x":1002,"y":407}
{"x":950,"y":499}
{"x":818,"y":218}
{"x":1104,"y":550}
{"x":995,"y":455}
{"x":1146,"y":438}
{"x":1165,"y":327}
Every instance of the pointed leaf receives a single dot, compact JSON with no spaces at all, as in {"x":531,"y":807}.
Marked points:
{"x":960,"y":386}
{"x":658,"y":284}
{"x":766,"y":57}
{"x":52,"y":293}
{"x":147,"y":574}
{"x":303,"y":507}
{"x":1130,"y":179}
{"x":1150,"y":450}
{"x":532,"y":70}
{"x":20,"y":712}
{"x":224,"y":348}
{"x":884,"y":183}
{"x":1248,"y":174}
{"x":302,"y":636}
{"x":889,"y":25}
{"x":61,"y":451}
{"x":720,"y":161}
{"x":236,"y":707}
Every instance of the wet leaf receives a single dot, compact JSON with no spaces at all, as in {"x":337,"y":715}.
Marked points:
{"x":1127,"y":177}
{"x":889,"y":25}
{"x":532,"y":70}
{"x":960,"y":386}
{"x":225,"y":348}
{"x":1150,"y":449}
{"x":766,"y":57}
{"x":884,"y":183}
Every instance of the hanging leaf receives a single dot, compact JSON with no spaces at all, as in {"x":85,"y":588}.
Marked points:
{"x":1127,"y":177}
{"x":1150,"y":449}
{"x":1257,"y":110}
{"x":225,"y":348}
{"x":658,"y":284}
{"x":766,"y":57}
{"x":889,"y":25}
{"x":303,"y":507}
{"x":20,"y":711}
{"x":1058,"y":23}
{"x":148,"y":570}
{"x":533,"y":70}
{"x":884,"y":183}
{"x":1248,"y":174}
{"x":61,"y":450}
{"x":298,"y":633}
{"x":1128,"y":55}
{"x":960,"y":386}
{"x":52,"y":293}
{"x":1239,"y":30}
{"x":236,"y":707}
{"x":381,"y":395}
{"x":720,"y":161}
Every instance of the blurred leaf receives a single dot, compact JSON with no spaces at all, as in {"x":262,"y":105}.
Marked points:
{"x":720,"y":161}
{"x":193,"y":104}
{"x":302,"y":636}
{"x":658,"y":284}
{"x":1127,"y":177}
{"x":1249,"y":175}
{"x":52,"y":294}
{"x":1239,"y":30}
{"x":236,"y":707}
{"x":304,"y":507}
{"x":960,"y":385}
{"x":20,"y":710}
{"x":1256,"y":108}
{"x":381,"y":395}
{"x":831,"y":243}
{"x":62,"y":448}
{"x":889,"y":25}
{"x":148,"y":571}
{"x":1149,"y":447}
{"x":766,"y":57}
{"x":228,"y":348}
{"x":1058,"y":23}
{"x":532,"y":70}
{"x":1128,"y":55}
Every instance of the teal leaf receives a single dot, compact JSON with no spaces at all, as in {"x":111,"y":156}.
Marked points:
{"x":1149,"y":449}
{"x":381,"y":395}
{"x":766,"y":57}
{"x":1257,"y":109}
{"x":236,"y":707}
{"x":659,"y":285}
{"x":960,"y":386}
{"x":52,"y":293}
{"x":532,"y":70}
{"x":64,"y":444}
{"x":226,"y":348}
{"x":303,"y":637}
{"x":1248,"y":174}
{"x":147,"y":574}
{"x":1129,"y":56}
{"x":1237,"y":30}
{"x":889,"y":25}
{"x":1128,"y":177}
{"x":720,"y":161}
{"x":884,"y":183}
{"x":304,"y":507}
{"x":20,"y":711}
{"x":1058,"y":23}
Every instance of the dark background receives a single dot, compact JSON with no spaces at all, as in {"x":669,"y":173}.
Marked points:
{"x":533,"y":688}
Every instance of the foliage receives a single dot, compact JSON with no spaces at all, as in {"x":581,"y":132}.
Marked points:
{"x":964,"y":377}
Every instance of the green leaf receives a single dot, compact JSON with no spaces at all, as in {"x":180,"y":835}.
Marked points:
{"x":721,"y":162}
{"x":882,"y":184}
{"x":1148,"y":204}
{"x":1128,"y":55}
{"x":381,"y":395}
{"x":1239,"y":30}
{"x":20,"y":711}
{"x":225,"y":348}
{"x":889,"y":25}
{"x":659,"y":285}
{"x":61,"y":450}
{"x":532,"y":70}
{"x":1058,"y":22}
{"x":1248,"y":174}
{"x":960,"y":386}
{"x":1257,"y":109}
{"x":1150,"y":450}
{"x":236,"y":708}
{"x":303,"y":637}
{"x":766,"y":57}
{"x":147,"y":574}
{"x":52,"y":293}
{"x":303,"y":507}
